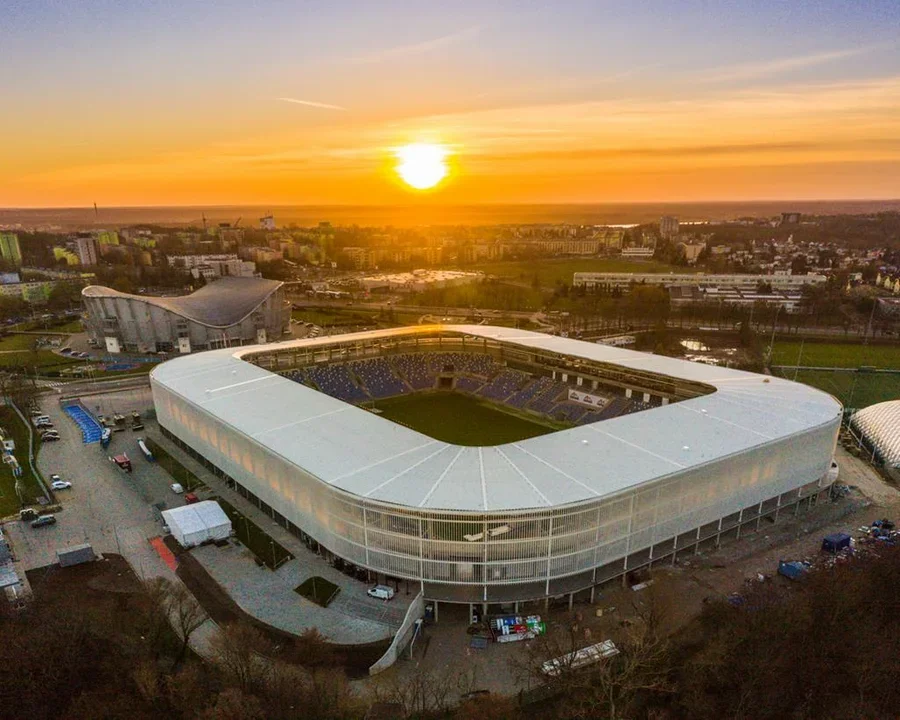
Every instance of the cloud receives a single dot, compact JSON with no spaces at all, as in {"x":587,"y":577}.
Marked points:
{"x":310,"y":103}
{"x":765,"y":68}
{"x":415,"y":48}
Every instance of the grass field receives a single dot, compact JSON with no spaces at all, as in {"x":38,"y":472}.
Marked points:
{"x":9,"y":500}
{"x":258,"y":541}
{"x":553,"y":271}
{"x":849,"y":355}
{"x":318,"y":590}
{"x":459,"y":419}
{"x":853,"y":389}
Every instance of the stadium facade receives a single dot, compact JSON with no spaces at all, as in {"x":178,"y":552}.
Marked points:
{"x":717,"y":453}
{"x":224,"y":313}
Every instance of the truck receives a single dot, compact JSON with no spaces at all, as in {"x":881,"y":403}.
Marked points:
{"x":105,"y":437}
{"x":122,"y":461}
{"x":144,"y":449}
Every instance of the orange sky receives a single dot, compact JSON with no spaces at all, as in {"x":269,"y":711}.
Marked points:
{"x":781,"y":123}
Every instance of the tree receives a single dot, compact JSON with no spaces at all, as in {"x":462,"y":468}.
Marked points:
{"x":185,"y":613}
{"x":239,"y":650}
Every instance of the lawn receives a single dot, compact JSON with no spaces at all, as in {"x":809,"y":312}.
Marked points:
{"x":269,"y":552}
{"x":853,"y":389}
{"x":848,"y":355}
{"x":318,"y":590}
{"x":179,"y":472}
{"x":550,"y":272}
{"x":331,"y":318}
{"x":459,"y":419}
{"x":28,"y":483}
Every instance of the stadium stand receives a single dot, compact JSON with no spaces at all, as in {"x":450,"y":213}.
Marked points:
{"x":530,"y":391}
{"x":379,"y":378}
{"x":503,"y":385}
{"x":337,"y":381}
{"x":416,"y":370}
{"x":469,"y":385}
{"x":474,"y":373}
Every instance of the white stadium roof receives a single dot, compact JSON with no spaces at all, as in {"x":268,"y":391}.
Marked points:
{"x":363,"y":454}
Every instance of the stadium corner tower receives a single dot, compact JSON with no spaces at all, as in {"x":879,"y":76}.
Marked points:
{"x":650,"y":458}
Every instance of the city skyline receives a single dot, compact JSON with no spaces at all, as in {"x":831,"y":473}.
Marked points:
{"x":160,"y":104}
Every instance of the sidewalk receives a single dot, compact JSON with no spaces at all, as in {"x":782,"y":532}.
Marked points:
{"x":352,"y":617}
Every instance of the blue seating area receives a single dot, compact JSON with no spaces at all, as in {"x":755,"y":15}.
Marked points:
{"x":337,"y":381}
{"x":475,"y":373}
{"x":469,"y":385}
{"x":379,"y":378}
{"x":467,"y":363}
{"x":568,"y":411}
{"x":545,"y":402}
{"x":503,"y":385}
{"x":90,"y":428}
{"x":530,"y":391}
{"x":415,"y":368}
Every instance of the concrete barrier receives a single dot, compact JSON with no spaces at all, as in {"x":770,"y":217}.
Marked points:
{"x":415,"y":612}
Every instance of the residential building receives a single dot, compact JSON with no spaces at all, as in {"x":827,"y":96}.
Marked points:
{"x":668,"y":227}
{"x":86,"y":249}
{"x":267,"y":222}
{"x":741,"y":281}
{"x":9,"y":248}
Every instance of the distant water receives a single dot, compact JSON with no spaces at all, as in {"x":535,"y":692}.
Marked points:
{"x":408,"y":216}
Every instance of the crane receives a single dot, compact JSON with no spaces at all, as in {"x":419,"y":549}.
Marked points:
{"x":238,"y":221}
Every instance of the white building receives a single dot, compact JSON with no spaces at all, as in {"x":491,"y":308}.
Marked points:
{"x":213,"y":266}
{"x":718,"y":453}
{"x":745,"y":282}
{"x":267,"y":222}
{"x":86,"y":249}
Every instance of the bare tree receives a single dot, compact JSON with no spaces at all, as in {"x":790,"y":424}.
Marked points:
{"x":240,"y":651}
{"x":185,"y":613}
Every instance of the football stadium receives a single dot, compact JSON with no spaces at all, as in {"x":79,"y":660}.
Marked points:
{"x":495,"y":465}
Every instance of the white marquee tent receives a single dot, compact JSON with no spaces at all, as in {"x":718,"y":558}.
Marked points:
{"x":194,"y":524}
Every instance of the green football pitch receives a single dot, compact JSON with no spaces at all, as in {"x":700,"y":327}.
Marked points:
{"x":853,"y":389}
{"x":460,"y":419}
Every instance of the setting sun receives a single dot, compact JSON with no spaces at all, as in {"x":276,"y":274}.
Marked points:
{"x":422,"y":165}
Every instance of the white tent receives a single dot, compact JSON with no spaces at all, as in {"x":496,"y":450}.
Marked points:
{"x":197,"y":523}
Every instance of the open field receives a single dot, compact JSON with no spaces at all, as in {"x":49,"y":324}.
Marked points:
{"x":331,"y":318}
{"x":853,"y":389}
{"x":9,"y":500}
{"x":849,"y":355}
{"x":552,"y":271}
{"x":459,"y":419}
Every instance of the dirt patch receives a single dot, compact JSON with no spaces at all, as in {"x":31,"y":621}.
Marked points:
{"x":354,"y":659}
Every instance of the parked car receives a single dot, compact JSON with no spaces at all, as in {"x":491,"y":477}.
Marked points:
{"x":49,"y":437}
{"x":381,"y":592}
{"x":190,"y":498}
{"x":44,"y":520}
{"x":61,"y":485}
{"x":176,"y":488}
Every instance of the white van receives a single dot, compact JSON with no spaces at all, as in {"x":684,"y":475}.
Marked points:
{"x":382,"y":592}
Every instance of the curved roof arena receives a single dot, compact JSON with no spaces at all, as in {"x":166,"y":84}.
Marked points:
{"x":219,"y":304}
{"x":880,"y":425}
{"x":360,"y":453}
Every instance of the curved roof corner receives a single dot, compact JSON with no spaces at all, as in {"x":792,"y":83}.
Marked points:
{"x":219,"y":304}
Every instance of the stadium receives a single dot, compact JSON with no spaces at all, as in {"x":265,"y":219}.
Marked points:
{"x":494,"y":465}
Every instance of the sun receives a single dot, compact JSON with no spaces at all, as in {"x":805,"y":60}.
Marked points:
{"x":422,"y":165}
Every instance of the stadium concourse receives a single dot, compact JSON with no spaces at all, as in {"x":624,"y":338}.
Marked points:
{"x":712,"y":454}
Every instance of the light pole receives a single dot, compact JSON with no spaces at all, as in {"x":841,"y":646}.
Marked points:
{"x":772,"y":340}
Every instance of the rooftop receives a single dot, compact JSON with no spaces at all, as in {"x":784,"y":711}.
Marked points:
{"x":363,"y":454}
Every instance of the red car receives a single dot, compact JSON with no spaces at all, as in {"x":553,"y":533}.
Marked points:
{"x":190,"y":498}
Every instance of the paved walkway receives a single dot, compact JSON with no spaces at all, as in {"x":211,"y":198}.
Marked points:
{"x":351,"y":605}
